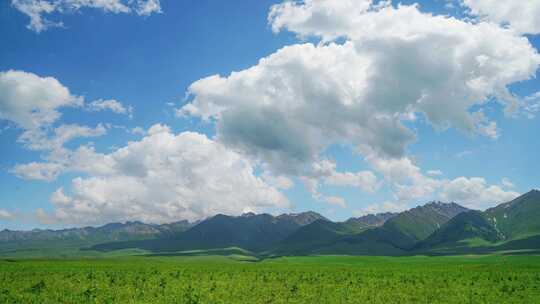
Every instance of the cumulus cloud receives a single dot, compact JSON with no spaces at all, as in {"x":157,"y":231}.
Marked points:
{"x":280,"y":182}
{"x":365,"y":180}
{"x":325,"y":172}
{"x":59,"y":198}
{"x":40,"y":139}
{"x":523,"y":16}
{"x":58,"y":159}
{"x":6,"y":215}
{"x":111,"y":105}
{"x":163,"y":177}
{"x":405,"y":177}
{"x":292,"y":105}
{"x":410,"y":184}
{"x":393,"y":63}
{"x":36,"y":10}
{"x":31,"y":101}
{"x":328,"y":19}
{"x":419,"y":41}
{"x":38,"y":171}
{"x":475,"y":193}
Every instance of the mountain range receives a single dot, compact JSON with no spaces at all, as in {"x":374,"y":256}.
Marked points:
{"x":435,"y":228}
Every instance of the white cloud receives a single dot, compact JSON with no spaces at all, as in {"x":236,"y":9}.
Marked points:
{"x":38,"y":171}
{"x":32,"y":104}
{"x":325,"y":172}
{"x":411,"y":185}
{"x":475,"y":193}
{"x":58,"y":159}
{"x":59,"y":198}
{"x":40,"y":139}
{"x":280,"y":182}
{"x":365,"y":180}
{"x":484,"y":126}
{"x":138,"y":131}
{"x":295,"y":103}
{"x":406,"y":178}
{"x":163,"y":177}
{"x":31,"y":101}
{"x":110,"y":104}
{"x":6,"y":215}
{"x":148,"y":7}
{"x":37,"y":9}
{"x":507,"y":183}
{"x":394,"y":63}
{"x":158,"y":128}
{"x":405,"y":24}
{"x":326,"y":18}
{"x":521,"y":15}
{"x":434,"y":173}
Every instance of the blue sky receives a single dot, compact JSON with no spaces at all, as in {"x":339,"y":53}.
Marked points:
{"x":290,"y":158}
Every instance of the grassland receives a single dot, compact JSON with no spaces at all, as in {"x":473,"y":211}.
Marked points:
{"x":232,"y":279}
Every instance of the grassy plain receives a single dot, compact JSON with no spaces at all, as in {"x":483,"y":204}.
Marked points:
{"x":238,"y":279}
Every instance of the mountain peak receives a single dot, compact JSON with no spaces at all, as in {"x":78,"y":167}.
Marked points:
{"x":450,"y":209}
{"x":439,"y":203}
{"x":372,"y":220}
{"x":534,"y":192}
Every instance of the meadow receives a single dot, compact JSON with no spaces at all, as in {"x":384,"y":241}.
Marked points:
{"x":236,"y":279}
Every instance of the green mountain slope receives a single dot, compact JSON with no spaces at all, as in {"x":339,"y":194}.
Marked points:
{"x":419,"y":223}
{"x":511,"y":226}
{"x":319,"y":234}
{"x":467,"y":226}
{"x":518,"y":218}
{"x":371,"y":220}
{"x":250,"y":231}
{"x":405,"y":230}
{"x":397,"y":234}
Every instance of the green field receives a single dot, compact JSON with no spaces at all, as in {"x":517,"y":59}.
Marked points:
{"x":325,"y":279}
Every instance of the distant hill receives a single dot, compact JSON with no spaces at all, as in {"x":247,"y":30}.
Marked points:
{"x":434,"y":229}
{"x":107,"y":233}
{"x":256,"y":232}
{"x":69,"y":242}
